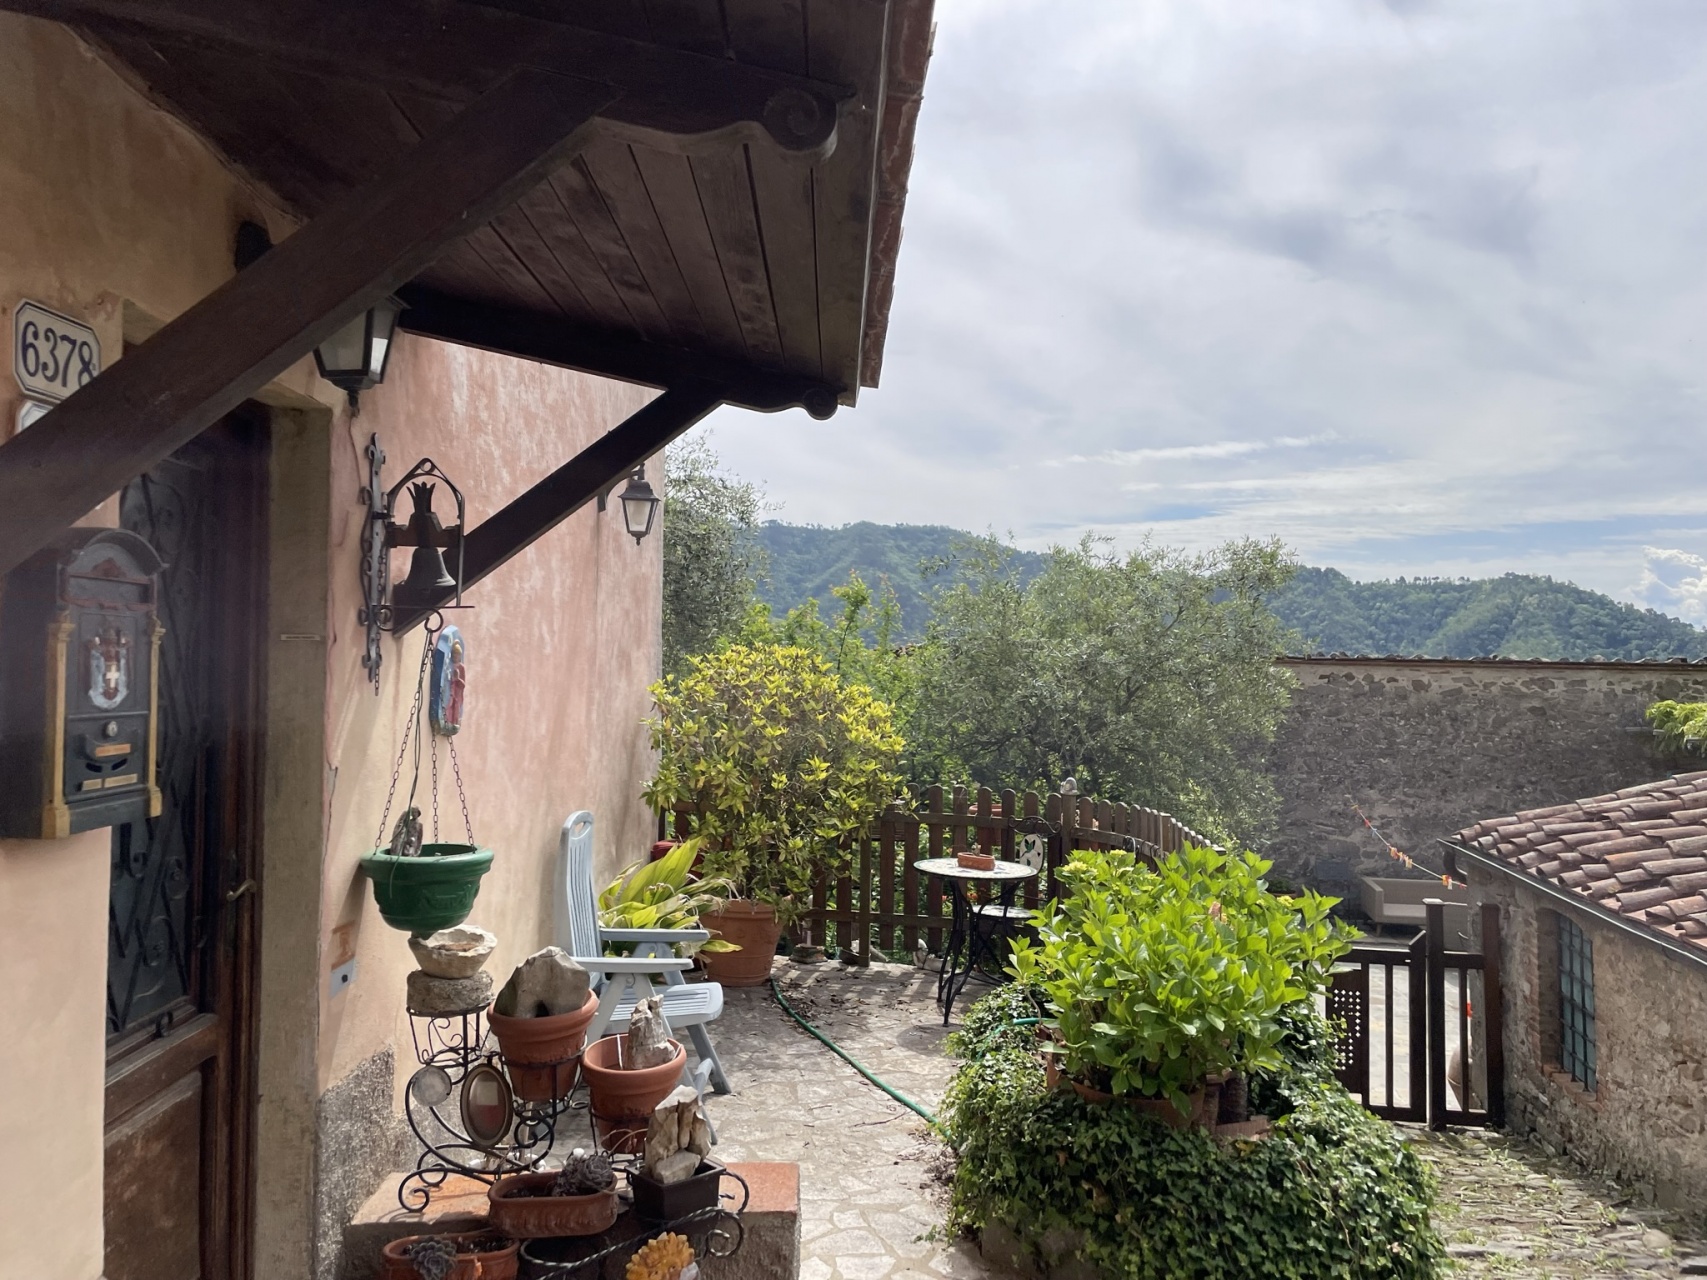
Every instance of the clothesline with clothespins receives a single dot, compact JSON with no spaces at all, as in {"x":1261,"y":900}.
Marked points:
{"x":1393,"y":851}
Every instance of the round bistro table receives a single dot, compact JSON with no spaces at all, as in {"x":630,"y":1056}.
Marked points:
{"x":964,"y":932}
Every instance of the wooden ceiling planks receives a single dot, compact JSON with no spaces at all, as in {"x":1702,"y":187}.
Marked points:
{"x":669,"y":184}
{"x":608,"y":171}
{"x":726,"y":200}
{"x":582,"y":204}
{"x":728,"y":246}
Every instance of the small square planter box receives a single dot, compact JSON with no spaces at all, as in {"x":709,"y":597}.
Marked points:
{"x":656,"y":1201}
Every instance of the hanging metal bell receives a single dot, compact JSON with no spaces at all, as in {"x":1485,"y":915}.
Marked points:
{"x":428,"y":578}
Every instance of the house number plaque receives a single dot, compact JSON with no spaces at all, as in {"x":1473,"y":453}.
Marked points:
{"x":52,"y":355}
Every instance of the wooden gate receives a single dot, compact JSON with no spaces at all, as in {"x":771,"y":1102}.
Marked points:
{"x":1423,"y":1035}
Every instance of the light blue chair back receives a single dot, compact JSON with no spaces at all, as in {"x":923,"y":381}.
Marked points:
{"x":577,"y":923}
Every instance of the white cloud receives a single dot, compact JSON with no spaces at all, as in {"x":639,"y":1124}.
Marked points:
{"x":1674,"y":582}
{"x":1412,"y":286}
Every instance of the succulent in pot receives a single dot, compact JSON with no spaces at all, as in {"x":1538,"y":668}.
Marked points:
{"x":576,"y":1200}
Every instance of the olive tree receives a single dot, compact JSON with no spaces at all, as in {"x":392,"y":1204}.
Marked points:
{"x":1148,"y":677}
{"x":711,"y":551}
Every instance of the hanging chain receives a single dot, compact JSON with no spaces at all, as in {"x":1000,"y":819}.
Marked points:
{"x":435,"y":787}
{"x":410,"y":729}
{"x":461,"y":795}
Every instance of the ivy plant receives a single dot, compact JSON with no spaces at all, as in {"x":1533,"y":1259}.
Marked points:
{"x":783,"y":761}
{"x":1331,"y":1193}
{"x":1158,"y":978}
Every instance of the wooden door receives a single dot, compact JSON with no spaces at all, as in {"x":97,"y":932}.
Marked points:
{"x":182,"y":914}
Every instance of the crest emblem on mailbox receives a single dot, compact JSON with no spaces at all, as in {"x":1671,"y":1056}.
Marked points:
{"x":109,"y":668}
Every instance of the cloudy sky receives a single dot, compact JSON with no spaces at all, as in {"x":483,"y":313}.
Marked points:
{"x":1419,"y":286}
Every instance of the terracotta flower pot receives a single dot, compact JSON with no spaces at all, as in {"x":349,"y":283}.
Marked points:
{"x":976,"y":861}
{"x":622,"y":1098}
{"x":518,"y":1211}
{"x":494,"y":1264}
{"x":539,"y":1053}
{"x":753,"y":927}
{"x":1204,"y":1102}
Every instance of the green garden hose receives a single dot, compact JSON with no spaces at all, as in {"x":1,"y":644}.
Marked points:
{"x":852,"y":1061}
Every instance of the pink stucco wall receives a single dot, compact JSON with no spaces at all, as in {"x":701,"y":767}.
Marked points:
{"x":116,"y":213}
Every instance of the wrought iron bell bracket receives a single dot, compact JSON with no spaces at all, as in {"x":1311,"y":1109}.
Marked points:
{"x":383,"y":532}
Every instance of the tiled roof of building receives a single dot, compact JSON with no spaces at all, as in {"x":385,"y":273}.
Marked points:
{"x":1640,"y":853}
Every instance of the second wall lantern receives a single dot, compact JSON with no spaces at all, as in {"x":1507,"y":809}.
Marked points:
{"x":639,"y":505}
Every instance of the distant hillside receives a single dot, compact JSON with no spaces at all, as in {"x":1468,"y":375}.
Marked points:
{"x":1515,"y":616}
{"x":807,"y":560}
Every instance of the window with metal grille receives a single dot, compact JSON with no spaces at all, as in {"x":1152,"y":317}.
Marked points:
{"x":1576,"y":1003}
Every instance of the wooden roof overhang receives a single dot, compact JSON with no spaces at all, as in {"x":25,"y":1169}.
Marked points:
{"x":699,"y":195}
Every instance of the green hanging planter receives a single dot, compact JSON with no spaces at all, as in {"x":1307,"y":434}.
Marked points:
{"x":428,"y":892}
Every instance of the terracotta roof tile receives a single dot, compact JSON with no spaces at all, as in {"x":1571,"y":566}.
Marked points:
{"x":1641,"y":851}
{"x":1674,"y":866}
{"x":1618,"y":844}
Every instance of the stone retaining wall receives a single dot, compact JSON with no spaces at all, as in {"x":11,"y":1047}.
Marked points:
{"x":1428,"y":746}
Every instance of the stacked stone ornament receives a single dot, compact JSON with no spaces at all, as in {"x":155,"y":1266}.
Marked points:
{"x":450,"y":979}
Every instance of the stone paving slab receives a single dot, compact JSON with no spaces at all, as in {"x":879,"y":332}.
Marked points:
{"x":870,"y":1206}
{"x":873,"y":1202}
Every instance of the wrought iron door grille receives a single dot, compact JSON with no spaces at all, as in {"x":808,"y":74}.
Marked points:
{"x":1576,"y":1003}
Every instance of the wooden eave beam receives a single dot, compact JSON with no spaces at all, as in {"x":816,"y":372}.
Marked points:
{"x":458,"y":50}
{"x":226,"y":347}
{"x":586,"y":475}
{"x":553,"y":340}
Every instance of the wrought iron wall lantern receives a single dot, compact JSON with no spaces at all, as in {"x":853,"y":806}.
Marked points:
{"x":429,"y":576}
{"x":639,"y":504}
{"x":354,"y":358}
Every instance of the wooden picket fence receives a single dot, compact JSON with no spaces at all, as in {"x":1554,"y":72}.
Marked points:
{"x":886,"y":908}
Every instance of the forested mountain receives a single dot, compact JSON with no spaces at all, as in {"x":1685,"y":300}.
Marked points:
{"x":807,"y":560}
{"x":1517,"y":615}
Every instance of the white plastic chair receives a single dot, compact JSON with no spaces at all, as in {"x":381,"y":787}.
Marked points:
{"x":624,"y":981}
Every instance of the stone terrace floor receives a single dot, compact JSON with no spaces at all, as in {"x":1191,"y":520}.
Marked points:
{"x":872,"y":1203}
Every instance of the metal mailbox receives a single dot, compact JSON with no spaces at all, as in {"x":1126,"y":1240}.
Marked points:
{"x":79,"y":698}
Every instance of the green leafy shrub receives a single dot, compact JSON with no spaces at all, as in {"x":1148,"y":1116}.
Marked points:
{"x":783,"y":760}
{"x":1680,"y":726}
{"x":1330,"y":1194}
{"x":1157,"y":979}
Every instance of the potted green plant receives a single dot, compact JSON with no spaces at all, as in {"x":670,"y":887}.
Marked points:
{"x":663,"y":893}
{"x":1161,"y":982}
{"x":784,"y":764}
